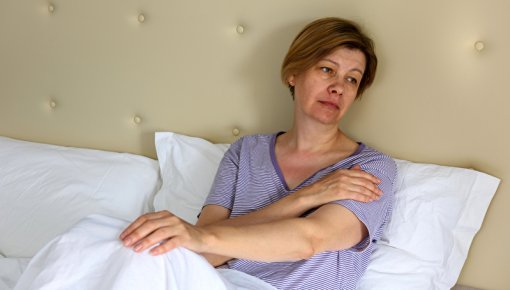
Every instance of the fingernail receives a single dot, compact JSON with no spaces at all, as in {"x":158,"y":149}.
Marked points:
{"x":138,"y":248}
{"x":127,"y":242}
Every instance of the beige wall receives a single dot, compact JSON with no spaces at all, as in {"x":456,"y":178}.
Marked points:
{"x":186,"y":68}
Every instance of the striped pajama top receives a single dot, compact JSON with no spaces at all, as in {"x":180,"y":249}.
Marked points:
{"x":249,"y":178}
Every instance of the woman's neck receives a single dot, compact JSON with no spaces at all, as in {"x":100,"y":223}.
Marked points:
{"x":313,"y":140}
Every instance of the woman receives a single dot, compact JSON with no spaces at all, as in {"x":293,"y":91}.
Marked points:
{"x":299,"y":209}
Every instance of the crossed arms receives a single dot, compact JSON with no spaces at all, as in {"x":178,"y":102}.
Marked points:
{"x":274,"y":233}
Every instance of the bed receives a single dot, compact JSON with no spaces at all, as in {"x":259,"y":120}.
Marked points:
{"x":107,"y":106}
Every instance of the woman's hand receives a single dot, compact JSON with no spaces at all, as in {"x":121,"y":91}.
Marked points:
{"x":354,"y":184}
{"x":165,"y":229}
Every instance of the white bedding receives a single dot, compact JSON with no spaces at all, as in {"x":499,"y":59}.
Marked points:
{"x":438,"y":210}
{"x":45,"y":189}
{"x":91,"y":255}
{"x":10,"y":271}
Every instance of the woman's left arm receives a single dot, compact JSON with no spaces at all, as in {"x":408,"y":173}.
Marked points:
{"x":331,"y":227}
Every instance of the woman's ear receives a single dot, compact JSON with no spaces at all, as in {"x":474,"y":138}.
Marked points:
{"x":291,"y":80}
{"x":291,"y":84}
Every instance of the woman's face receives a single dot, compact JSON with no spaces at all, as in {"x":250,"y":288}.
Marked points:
{"x":324,"y":92}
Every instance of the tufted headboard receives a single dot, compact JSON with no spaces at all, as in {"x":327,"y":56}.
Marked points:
{"x":108,"y":74}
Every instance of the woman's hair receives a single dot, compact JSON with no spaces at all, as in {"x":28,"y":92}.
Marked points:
{"x":321,"y":38}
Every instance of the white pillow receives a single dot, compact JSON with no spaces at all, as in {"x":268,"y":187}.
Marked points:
{"x":437,"y":212}
{"x":188,"y":166}
{"x":45,"y":189}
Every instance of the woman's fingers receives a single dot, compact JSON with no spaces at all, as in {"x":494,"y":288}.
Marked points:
{"x":354,"y":184}
{"x":140,"y":220}
{"x":356,"y":190}
{"x":362,"y":193}
{"x":164,"y":247}
{"x":369,"y":184}
{"x":148,"y":234}
{"x":356,"y":167}
{"x":356,"y":171}
{"x":160,"y":236}
{"x":161,"y":231}
{"x":143,"y":226}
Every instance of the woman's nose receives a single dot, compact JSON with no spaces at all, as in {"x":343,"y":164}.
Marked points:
{"x":336,"y":86}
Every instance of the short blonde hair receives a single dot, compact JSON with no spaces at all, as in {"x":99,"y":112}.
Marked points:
{"x":320,"y":38}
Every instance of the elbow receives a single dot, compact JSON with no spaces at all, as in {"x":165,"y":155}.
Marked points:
{"x":302,"y":249}
{"x":310,"y":247}
{"x":312,"y":242}
{"x":304,"y":253}
{"x":313,"y":239}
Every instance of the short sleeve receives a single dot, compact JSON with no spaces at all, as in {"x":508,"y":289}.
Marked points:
{"x":374,"y":215}
{"x":224,"y":186}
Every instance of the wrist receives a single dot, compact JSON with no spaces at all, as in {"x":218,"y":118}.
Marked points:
{"x":209,"y":239}
{"x":305,"y":199}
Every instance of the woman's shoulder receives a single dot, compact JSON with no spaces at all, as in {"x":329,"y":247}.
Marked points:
{"x":255,"y":140}
{"x":252,"y":144}
{"x":369,"y":156}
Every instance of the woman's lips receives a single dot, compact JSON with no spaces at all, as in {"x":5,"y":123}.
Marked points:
{"x":330,"y":104}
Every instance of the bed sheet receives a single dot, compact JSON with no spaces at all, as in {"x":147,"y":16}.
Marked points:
{"x":12,"y":268}
{"x":103,"y":263}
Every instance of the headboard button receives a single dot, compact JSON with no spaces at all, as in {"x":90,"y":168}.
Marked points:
{"x":137,"y":120}
{"x":51,"y":8}
{"x":53,"y":104}
{"x":236,"y":132}
{"x":479,"y":45}
{"x":141,"y":18}
{"x":240,"y":29}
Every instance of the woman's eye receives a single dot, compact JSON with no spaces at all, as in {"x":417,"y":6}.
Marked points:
{"x":352,"y":80}
{"x":327,"y":72}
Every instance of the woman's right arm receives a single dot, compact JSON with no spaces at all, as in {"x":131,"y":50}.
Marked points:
{"x":352,"y":184}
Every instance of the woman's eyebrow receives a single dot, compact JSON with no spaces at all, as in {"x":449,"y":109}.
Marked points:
{"x":332,"y":61}
{"x":338,"y":65}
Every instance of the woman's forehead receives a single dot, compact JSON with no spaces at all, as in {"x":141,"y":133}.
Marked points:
{"x":346,"y":57}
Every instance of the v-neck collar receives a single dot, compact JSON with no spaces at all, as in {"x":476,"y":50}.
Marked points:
{"x":272,"y":153}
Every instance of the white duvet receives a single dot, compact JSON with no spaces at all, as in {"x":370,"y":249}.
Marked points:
{"x":90,"y":256}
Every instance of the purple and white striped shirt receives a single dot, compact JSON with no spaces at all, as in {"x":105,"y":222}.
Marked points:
{"x":249,"y":178}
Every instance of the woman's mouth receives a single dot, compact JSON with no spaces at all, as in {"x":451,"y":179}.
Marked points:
{"x":331,"y":105}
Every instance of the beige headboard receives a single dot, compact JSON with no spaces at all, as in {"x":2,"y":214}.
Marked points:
{"x":108,"y":74}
